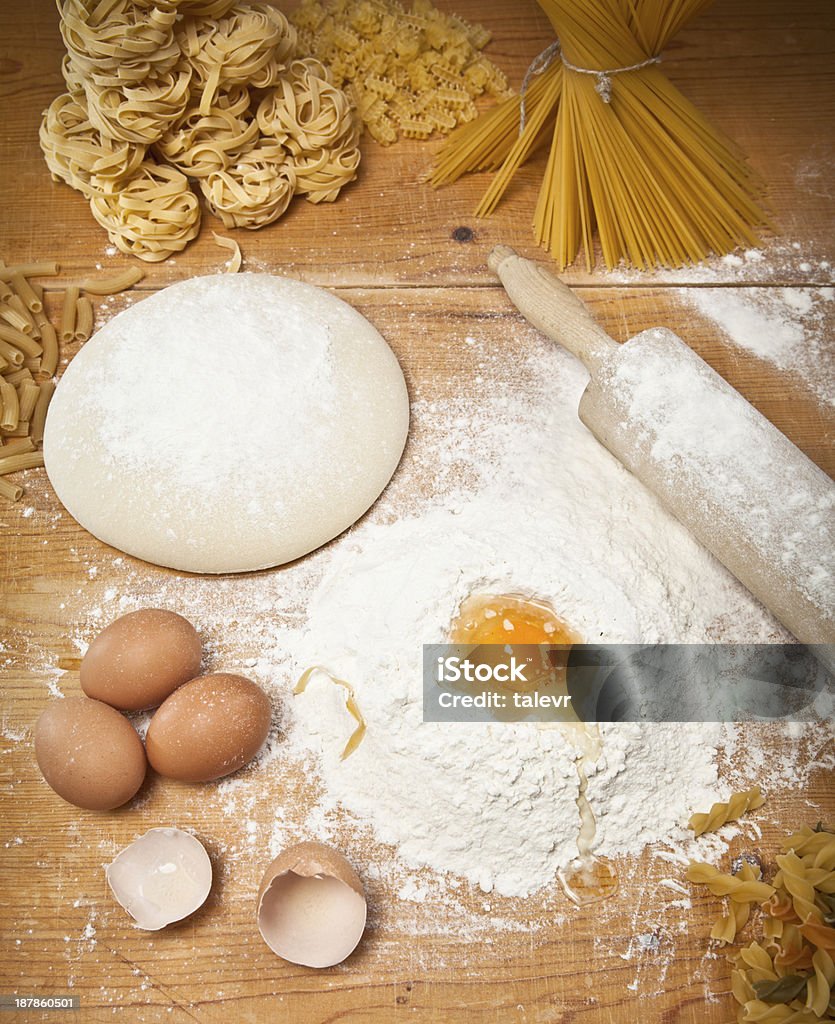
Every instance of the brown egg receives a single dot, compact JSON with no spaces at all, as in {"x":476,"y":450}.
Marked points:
{"x":140,"y":659}
{"x":208,"y":728}
{"x":311,"y":906}
{"x":89,"y":753}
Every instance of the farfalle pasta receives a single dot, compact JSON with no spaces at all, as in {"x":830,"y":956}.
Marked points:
{"x":156,"y":213}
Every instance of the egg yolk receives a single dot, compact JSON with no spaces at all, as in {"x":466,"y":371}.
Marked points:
{"x":491,"y":622}
{"x":509,"y":619}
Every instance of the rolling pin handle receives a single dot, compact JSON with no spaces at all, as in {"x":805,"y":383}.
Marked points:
{"x":551,"y":306}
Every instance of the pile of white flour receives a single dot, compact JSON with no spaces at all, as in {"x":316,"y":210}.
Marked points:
{"x":554,"y":516}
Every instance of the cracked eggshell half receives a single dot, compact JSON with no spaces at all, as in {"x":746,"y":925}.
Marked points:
{"x":161,"y":877}
{"x":311,"y":906}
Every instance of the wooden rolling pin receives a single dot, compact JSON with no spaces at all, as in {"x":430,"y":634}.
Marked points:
{"x":752,"y":498}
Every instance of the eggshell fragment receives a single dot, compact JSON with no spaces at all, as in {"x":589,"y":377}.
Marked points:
{"x":311,"y":906}
{"x":89,"y":753}
{"x":140,"y":659}
{"x":162,"y":877}
{"x":208,"y":728}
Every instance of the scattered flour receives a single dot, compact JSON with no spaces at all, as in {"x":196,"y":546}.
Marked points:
{"x":787,"y":327}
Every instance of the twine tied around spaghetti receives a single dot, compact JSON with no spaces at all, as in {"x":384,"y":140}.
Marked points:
{"x":603,"y":85}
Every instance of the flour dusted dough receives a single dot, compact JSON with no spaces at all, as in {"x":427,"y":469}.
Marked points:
{"x":227,"y":423}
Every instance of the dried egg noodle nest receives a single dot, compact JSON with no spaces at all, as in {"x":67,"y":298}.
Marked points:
{"x":78,"y":154}
{"x":155,"y":214}
{"x":227,"y":423}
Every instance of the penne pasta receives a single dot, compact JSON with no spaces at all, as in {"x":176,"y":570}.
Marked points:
{"x":11,"y":353}
{"x":38,"y":420}
{"x":26,"y":293}
{"x":28,"y":393}
{"x":15,"y":319}
{"x":14,"y":463}
{"x":10,"y":491}
{"x":17,"y":446}
{"x":83,"y":319}
{"x":68,"y":313}
{"x":16,"y":303}
{"x":27,"y":345}
{"x":45,"y":269}
{"x":49,"y":359}
{"x":18,"y":376}
{"x":10,"y":416}
{"x":21,"y":430}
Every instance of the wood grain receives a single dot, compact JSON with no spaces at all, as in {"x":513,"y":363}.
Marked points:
{"x":764,"y":74}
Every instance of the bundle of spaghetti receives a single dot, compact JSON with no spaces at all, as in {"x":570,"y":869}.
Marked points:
{"x":140,"y":112}
{"x":789,"y":975}
{"x":629,"y":157}
{"x":495,"y":141}
{"x":254,"y":191}
{"x":114,"y":42}
{"x":247,"y":46}
{"x":154,"y":215}
{"x":198,"y":144}
{"x":77,"y":153}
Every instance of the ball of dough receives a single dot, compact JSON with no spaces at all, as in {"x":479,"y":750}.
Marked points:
{"x":227,"y":423}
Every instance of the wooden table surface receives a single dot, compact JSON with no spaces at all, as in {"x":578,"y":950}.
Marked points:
{"x":764,"y":73}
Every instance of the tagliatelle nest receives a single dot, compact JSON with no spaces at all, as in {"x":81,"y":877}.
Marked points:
{"x":140,"y":113}
{"x":155,"y":214}
{"x":319,"y":177}
{"x":187,"y":82}
{"x":80,"y":155}
{"x":117,"y":42}
{"x":248,"y":46}
{"x":200,"y":144}
{"x":253,"y":192}
{"x":306,"y":109}
{"x":206,"y":8}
